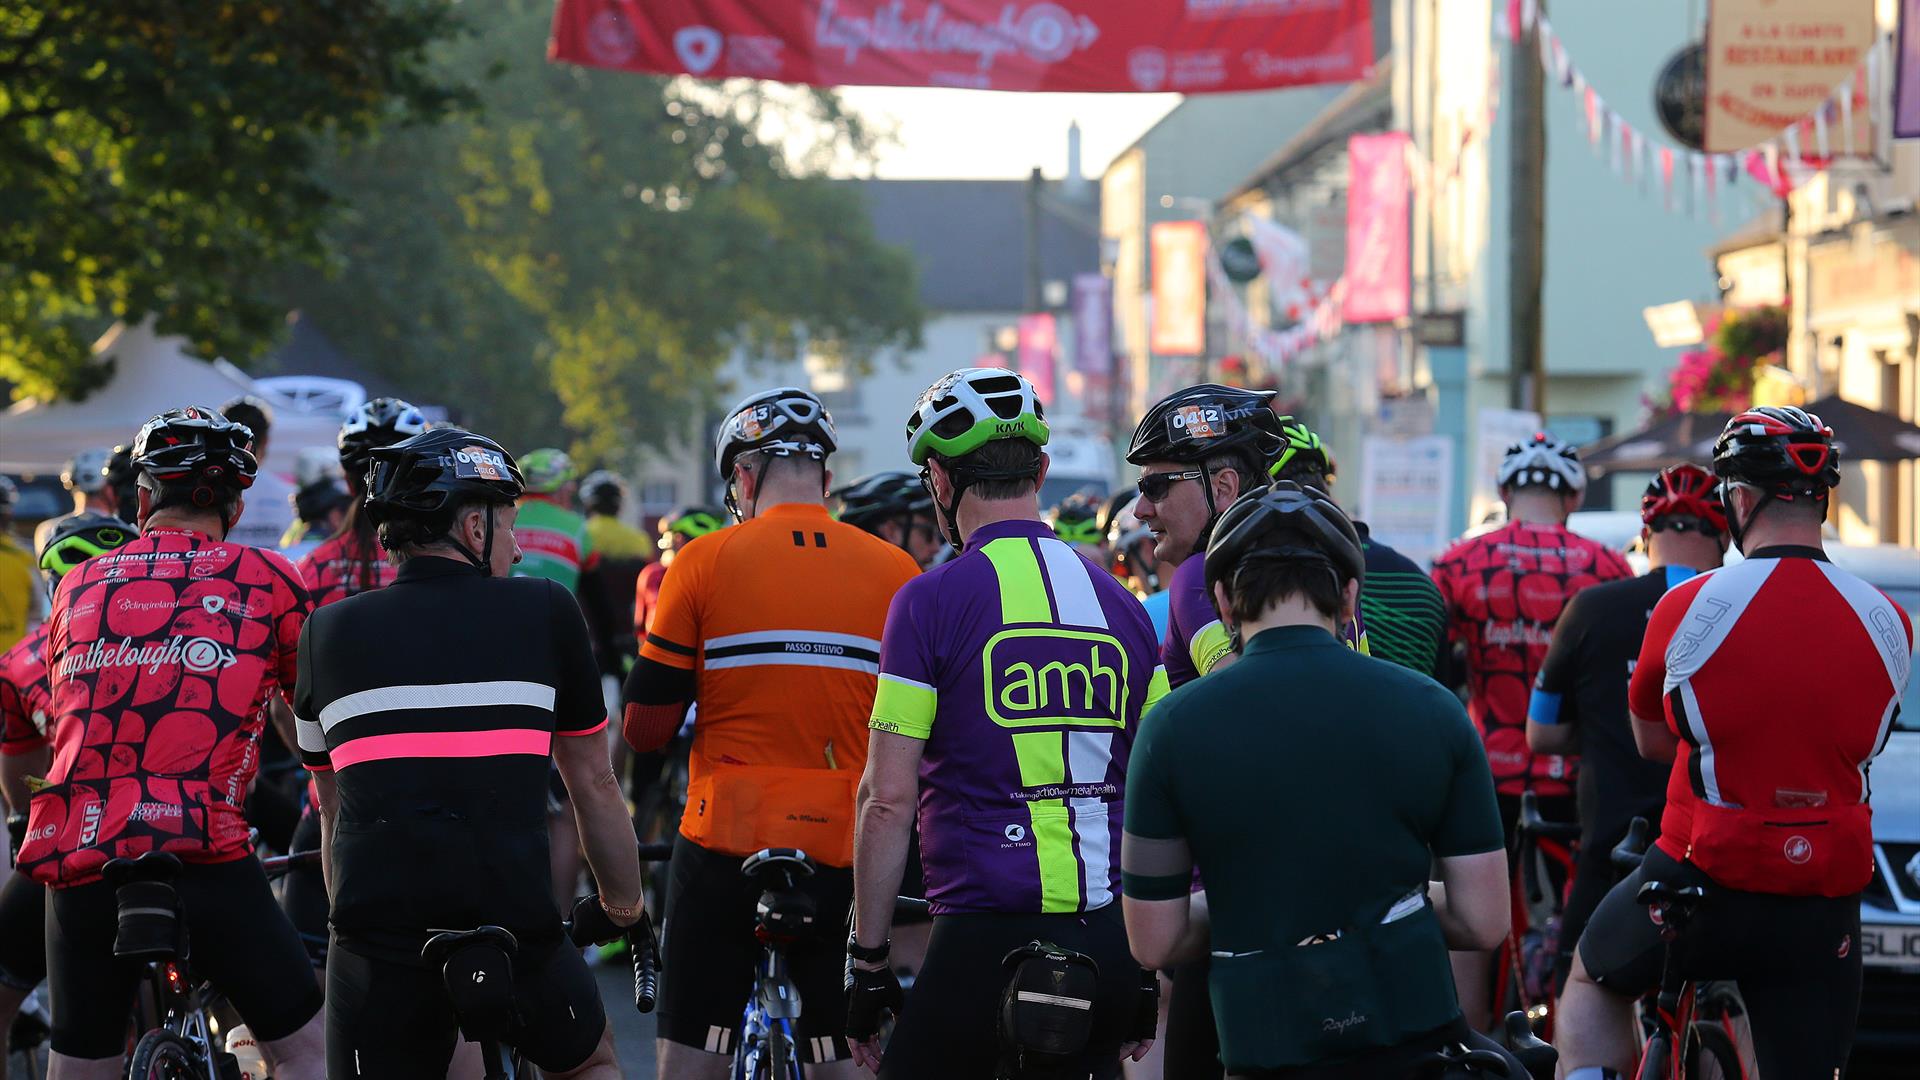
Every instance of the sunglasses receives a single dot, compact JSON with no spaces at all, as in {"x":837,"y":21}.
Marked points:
{"x":1154,"y":487}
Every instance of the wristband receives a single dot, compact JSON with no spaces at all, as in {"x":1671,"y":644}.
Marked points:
{"x":865,"y":955}
{"x":617,"y":912}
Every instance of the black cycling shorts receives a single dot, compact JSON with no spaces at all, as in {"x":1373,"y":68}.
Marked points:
{"x":1593,"y":877}
{"x":237,"y":938}
{"x":950,"y":1024}
{"x":1795,"y":958}
{"x":305,"y":897}
{"x":23,"y":933}
{"x":392,"y":1021}
{"x":708,"y":955}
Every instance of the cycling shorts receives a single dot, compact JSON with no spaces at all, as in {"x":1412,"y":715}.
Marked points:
{"x":23,"y":933}
{"x":1593,"y":877}
{"x":305,"y":897}
{"x":1795,"y":958}
{"x":950,"y":1025}
{"x":237,"y":939}
{"x":1192,"y":1039}
{"x":708,"y":955}
{"x":392,"y":1021}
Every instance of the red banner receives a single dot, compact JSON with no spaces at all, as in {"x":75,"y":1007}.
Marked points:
{"x":1378,"y":286}
{"x":1189,"y":46}
{"x":1178,"y":253}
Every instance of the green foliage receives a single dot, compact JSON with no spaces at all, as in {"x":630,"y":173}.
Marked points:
{"x":588,"y":247}
{"x":156,"y":157}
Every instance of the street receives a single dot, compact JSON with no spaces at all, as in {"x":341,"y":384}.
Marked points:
{"x":632,"y":1031}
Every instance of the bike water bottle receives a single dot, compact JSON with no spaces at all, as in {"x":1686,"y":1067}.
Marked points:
{"x":245,"y":1050}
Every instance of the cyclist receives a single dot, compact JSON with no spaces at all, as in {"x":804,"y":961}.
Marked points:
{"x":429,"y":711}
{"x":1013,"y":679}
{"x":1134,"y":561}
{"x":1504,"y":590}
{"x":1771,"y":685}
{"x":1076,"y":521}
{"x":319,"y":509}
{"x":1404,"y":618}
{"x":774,"y":626}
{"x":86,"y":478}
{"x":271,"y":495}
{"x":623,"y":551}
{"x":122,"y":480}
{"x":25,"y":751}
{"x":18,"y":582}
{"x":678,"y":526}
{"x":1199,"y":450}
{"x":1344,"y":916}
{"x":554,"y":541}
{"x":1579,"y":702}
{"x":180,"y":636}
{"x":349,"y":561}
{"x":895,"y":507}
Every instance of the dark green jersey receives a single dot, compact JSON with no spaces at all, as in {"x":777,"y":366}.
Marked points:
{"x":1313,"y":787}
{"x":1405,"y":618}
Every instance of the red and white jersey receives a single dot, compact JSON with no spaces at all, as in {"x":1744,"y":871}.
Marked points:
{"x":1781,"y":675}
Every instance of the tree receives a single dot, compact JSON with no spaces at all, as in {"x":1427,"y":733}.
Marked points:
{"x":156,"y":156}
{"x":583,"y":251}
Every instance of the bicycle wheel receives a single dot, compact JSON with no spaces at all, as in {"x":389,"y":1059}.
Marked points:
{"x":779,"y":1062}
{"x":1711,"y":1054}
{"x":162,"y":1055}
{"x":1656,"y":1059}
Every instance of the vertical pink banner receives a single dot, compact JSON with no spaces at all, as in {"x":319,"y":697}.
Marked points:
{"x":1906,"y":96}
{"x":1378,"y":286}
{"x":1093,"y":324}
{"x":1037,"y":341}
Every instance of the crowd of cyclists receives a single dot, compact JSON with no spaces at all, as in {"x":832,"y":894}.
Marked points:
{"x":1200,"y":780}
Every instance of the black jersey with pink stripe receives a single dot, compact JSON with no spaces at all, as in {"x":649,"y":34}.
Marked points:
{"x":435,"y":703}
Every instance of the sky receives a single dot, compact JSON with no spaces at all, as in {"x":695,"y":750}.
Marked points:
{"x":983,"y":134}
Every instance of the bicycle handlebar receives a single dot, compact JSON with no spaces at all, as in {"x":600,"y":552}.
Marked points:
{"x":1532,"y":829}
{"x":590,"y":925}
{"x":281,"y":865}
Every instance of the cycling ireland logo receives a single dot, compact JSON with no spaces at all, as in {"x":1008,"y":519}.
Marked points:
{"x":1043,"y":33}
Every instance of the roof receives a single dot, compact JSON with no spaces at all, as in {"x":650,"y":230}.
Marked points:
{"x":1762,"y":231}
{"x":1363,"y":106}
{"x":308,"y":351}
{"x":969,"y":237}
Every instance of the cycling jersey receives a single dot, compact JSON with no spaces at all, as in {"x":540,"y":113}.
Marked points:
{"x":25,"y":701}
{"x":1405,"y":618}
{"x":1160,"y":611}
{"x":646,"y":597}
{"x":1196,"y":639}
{"x":19,"y":584}
{"x":1026,"y":669}
{"x":435,"y":702}
{"x":554,"y":543}
{"x":611,"y":538}
{"x":780,"y":616}
{"x":1781,"y":675}
{"x":1504,"y":590}
{"x":162,"y":656}
{"x":342,"y":566}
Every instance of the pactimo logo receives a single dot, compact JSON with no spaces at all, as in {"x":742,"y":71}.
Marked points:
{"x":1047,"y":675}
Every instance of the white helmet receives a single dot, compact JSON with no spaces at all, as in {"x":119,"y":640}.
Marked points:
{"x":1543,"y":461}
{"x":87,"y":472}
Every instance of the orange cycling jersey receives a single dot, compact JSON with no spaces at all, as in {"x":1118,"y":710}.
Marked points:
{"x":781,"y":619}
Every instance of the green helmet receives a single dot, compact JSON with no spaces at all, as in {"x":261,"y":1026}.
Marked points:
{"x":692,"y":522}
{"x":970,"y":408}
{"x":77,"y":539}
{"x":1077,"y":520}
{"x":1300,"y":450}
{"x":547,"y":470}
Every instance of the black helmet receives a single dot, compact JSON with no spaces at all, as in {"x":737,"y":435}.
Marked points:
{"x":1247,"y":532}
{"x":198,"y":449}
{"x":79,"y":538}
{"x":122,"y":480}
{"x":315,"y":501}
{"x":786,"y":420}
{"x":1780,"y":449}
{"x":380,"y":422}
{"x":1208,"y":420}
{"x":883,"y":496}
{"x":415,"y":485}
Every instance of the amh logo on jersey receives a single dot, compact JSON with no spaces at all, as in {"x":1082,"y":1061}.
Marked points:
{"x":1049,"y":675}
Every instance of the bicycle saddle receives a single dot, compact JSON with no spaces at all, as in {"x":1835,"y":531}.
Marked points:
{"x":152,"y":866}
{"x":477,"y":968}
{"x":1538,"y":1058}
{"x":1676,"y":905}
{"x":1631,"y":851}
{"x":777,"y":860}
{"x":1458,"y":1060}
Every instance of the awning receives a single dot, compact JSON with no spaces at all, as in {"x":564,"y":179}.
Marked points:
{"x":1859,"y":433}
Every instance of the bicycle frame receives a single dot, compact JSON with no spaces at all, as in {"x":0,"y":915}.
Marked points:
{"x":770,"y":1012}
{"x":177,"y":1007}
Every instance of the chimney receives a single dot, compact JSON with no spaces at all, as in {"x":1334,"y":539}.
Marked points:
{"x":1075,"y":182}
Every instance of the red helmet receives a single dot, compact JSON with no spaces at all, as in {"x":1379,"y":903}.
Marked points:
{"x":1684,"y":491}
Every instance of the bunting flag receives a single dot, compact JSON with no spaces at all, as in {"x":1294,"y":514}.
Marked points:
{"x":1780,"y":164}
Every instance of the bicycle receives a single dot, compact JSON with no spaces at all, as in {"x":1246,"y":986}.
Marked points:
{"x":1460,"y":1061}
{"x":476,"y":968}
{"x":1524,"y":972}
{"x":178,"y":1021}
{"x":1704,"y":1012}
{"x":766,"y":1048}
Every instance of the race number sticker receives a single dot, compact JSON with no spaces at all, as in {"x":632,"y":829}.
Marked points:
{"x":479,"y":463}
{"x":1197,"y":422}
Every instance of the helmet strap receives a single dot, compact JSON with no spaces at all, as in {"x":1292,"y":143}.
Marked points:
{"x":948,"y":511}
{"x":482,"y":562}
{"x":1213,"y":511}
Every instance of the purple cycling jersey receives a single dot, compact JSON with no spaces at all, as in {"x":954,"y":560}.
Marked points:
{"x":1026,"y":669}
